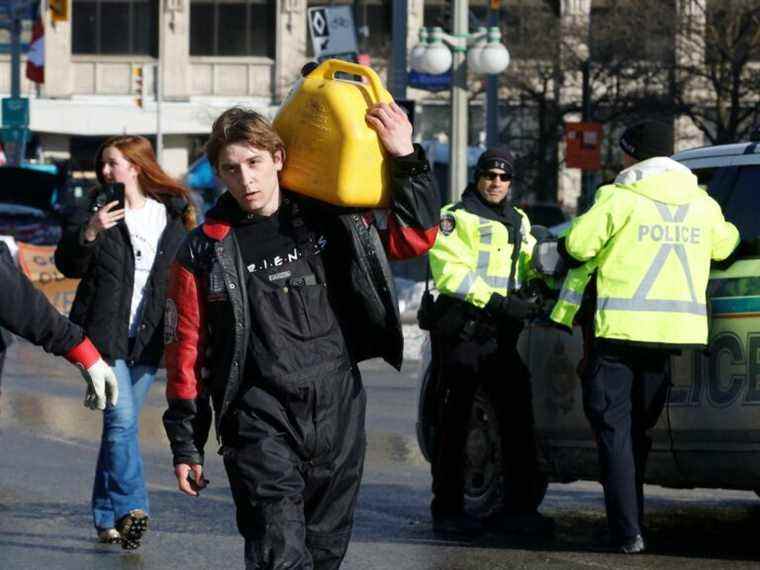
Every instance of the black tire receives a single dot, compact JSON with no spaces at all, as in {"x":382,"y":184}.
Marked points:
{"x":427,"y":409}
{"x":484,"y":490}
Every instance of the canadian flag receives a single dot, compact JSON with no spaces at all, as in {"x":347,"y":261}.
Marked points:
{"x":35,"y":59}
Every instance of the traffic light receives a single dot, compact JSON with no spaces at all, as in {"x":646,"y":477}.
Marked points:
{"x":59,"y":10}
{"x":138,"y":84}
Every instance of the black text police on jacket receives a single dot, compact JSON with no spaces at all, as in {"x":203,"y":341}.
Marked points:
{"x":480,"y":261}
{"x":273,"y":301}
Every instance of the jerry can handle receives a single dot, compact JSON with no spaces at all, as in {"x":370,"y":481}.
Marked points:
{"x":329,"y":67}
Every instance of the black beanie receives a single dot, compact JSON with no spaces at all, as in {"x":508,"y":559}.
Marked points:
{"x":495,"y":157}
{"x":647,"y":140}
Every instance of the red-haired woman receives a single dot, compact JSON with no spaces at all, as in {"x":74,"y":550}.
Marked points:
{"x":122,"y":256}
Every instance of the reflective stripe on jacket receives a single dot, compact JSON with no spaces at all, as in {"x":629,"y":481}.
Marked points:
{"x":571,"y":294}
{"x":472,"y":256}
{"x":652,"y":235}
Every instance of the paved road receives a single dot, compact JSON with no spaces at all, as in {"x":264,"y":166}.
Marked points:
{"x":48,"y":446}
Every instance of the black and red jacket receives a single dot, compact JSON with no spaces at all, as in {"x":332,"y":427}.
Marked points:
{"x":206,"y":349}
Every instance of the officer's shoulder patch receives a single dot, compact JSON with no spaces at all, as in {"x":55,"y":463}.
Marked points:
{"x":448,"y":223}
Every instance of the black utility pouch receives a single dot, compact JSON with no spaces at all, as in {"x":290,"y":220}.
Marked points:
{"x":426,"y":314}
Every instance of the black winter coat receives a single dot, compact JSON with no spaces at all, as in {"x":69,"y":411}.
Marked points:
{"x":107,"y":269}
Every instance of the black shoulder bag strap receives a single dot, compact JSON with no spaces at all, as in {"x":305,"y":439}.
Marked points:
{"x":426,"y":311}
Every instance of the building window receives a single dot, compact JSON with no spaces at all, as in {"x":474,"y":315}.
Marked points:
{"x":115,"y":27}
{"x":624,"y":30}
{"x":232,"y":27}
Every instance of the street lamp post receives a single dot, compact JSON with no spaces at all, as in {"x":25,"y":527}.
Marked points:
{"x":438,"y":52}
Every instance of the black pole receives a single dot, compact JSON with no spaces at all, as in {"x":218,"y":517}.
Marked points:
{"x":397,"y":71}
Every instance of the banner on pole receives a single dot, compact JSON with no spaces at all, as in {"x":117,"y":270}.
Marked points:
{"x":583,"y":146}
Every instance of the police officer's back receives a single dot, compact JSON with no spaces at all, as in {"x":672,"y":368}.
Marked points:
{"x":650,"y":237}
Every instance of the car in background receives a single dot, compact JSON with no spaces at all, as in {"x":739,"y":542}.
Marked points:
{"x":545,"y":214}
{"x":709,"y":432}
{"x":30,"y":202}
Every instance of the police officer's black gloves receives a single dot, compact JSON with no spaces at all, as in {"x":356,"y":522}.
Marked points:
{"x":509,"y":307}
{"x":571,"y":262}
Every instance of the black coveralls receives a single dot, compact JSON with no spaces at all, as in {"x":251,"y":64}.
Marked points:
{"x":265,"y":325}
{"x":294,"y":446}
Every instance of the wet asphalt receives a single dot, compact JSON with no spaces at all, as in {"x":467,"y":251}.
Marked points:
{"x":49,"y":443}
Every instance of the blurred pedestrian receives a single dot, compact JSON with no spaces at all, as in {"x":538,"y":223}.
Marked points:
{"x":122,"y":255}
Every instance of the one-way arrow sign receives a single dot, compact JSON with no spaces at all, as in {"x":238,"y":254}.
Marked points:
{"x":332,"y":30}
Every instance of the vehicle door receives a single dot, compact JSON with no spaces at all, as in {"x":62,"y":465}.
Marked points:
{"x":714,"y":406}
{"x":563,"y":433}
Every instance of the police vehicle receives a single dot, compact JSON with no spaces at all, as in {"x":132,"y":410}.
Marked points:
{"x":709,"y":433}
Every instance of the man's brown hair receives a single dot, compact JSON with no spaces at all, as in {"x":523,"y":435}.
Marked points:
{"x":239,"y":125}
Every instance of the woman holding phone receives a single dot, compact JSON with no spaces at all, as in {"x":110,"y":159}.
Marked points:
{"x":121,"y":246}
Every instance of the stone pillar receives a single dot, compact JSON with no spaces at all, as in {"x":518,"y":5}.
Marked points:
{"x":575,"y":18}
{"x":59,"y":70}
{"x":174,"y":38}
{"x":290,"y":46}
{"x":690,"y":51}
{"x":176,"y":154}
{"x":414,"y":21}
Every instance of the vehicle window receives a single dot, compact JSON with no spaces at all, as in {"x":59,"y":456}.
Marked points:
{"x":722,"y":183}
{"x":544,"y":215}
{"x":704,"y":175}
{"x":738,"y":192}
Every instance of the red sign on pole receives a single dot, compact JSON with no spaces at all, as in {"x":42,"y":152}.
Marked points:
{"x":583,"y":146}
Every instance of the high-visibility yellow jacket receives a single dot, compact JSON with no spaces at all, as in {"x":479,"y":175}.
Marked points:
{"x":652,"y":235}
{"x":472,"y":255}
{"x":571,"y":295}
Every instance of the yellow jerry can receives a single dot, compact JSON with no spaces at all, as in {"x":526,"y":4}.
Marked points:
{"x":333,"y":155}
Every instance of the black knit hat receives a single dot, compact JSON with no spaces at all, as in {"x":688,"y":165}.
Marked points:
{"x":495,"y":157}
{"x":647,"y":140}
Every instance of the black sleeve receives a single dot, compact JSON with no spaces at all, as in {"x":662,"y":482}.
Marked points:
{"x":25,"y":311}
{"x":74,"y":255}
{"x":416,"y":200}
{"x":187,"y":424}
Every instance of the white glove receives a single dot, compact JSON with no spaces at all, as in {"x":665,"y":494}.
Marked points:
{"x":102,"y":386}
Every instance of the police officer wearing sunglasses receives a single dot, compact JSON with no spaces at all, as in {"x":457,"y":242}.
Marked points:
{"x":480,"y":262}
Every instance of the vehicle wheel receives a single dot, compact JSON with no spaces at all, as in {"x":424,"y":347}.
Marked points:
{"x":484,"y":489}
{"x":427,"y":402}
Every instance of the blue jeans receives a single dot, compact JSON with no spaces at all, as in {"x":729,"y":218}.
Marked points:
{"x":119,"y":483}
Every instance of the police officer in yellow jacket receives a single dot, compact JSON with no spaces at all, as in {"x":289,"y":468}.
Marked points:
{"x":480,"y":261}
{"x":649,"y":237}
